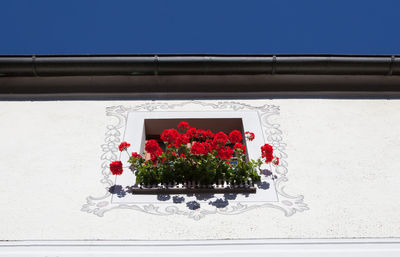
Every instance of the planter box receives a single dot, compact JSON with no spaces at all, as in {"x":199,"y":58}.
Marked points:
{"x":189,"y":190}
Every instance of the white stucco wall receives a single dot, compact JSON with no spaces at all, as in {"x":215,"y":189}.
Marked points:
{"x":343,"y":157}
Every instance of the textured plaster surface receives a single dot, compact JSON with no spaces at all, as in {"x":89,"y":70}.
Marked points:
{"x":343,"y":156}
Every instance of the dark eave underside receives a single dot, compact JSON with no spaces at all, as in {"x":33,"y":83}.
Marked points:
{"x":197,"y":76}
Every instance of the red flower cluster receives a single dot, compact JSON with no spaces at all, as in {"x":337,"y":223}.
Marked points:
{"x":123,"y":146}
{"x":191,"y":133}
{"x":235,"y":137}
{"x":240,"y":146}
{"x":151,"y":146}
{"x":154,"y":149}
{"x":205,"y":134}
{"x":249,"y":135}
{"x":136,"y":155}
{"x":220,"y":139}
{"x":156,"y":154}
{"x":225,"y":152}
{"x":116,"y":168}
{"x":267,"y":153}
{"x":181,"y":139}
{"x":183,"y":125}
{"x":201,"y":148}
{"x":203,"y":142}
{"x":199,"y":134}
{"x":169,"y":135}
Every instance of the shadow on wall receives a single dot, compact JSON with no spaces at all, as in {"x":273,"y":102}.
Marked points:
{"x":221,"y":202}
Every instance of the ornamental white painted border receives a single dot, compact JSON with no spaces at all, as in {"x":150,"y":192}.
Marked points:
{"x":287,"y":203}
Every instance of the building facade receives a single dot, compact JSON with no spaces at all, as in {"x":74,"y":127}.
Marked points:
{"x":331,"y":120}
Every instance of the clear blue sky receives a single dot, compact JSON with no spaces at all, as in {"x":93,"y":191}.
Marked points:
{"x":205,"y":26}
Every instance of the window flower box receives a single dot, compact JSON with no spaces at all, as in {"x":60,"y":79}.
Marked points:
{"x":195,"y":161}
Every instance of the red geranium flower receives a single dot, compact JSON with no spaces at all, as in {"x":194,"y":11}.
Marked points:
{"x":169,"y":135}
{"x":116,"y":168}
{"x":207,"y":147}
{"x":249,"y":135}
{"x":225,"y":153}
{"x":200,"y":148}
{"x":156,"y":154}
{"x":275,"y":160}
{"x":205,"y":134}
{"x":208,"y":134}
{"x":200,"y":134}
{"x":123,"y":146}
{"x":183,"y":125}
{"x":136,"y":155}
{"x":235,"y":136}
{"x":240,"y":146}
{"x":181,"y":139}
{"x":213,"y":144}
{"x":220,"y":139}
{"x":151,"y":146}
{"x":266,"y":152}
{"x":191,"y":133}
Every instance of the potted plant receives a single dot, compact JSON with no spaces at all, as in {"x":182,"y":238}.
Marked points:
{"x":195,"y":161}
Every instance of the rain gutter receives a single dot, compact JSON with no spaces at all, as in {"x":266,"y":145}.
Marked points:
{"x":141,"y":76}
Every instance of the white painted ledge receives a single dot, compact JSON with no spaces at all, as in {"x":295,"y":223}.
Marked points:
{"x":273,"y":247}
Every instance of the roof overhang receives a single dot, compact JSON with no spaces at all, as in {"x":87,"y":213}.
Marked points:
{"x":198,"y":76}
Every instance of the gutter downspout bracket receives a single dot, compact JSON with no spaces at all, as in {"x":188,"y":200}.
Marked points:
{"x":34,"y":66}
{"x":392,"y":59}
{"x":156,"y":63}
{"x":273,"y":64}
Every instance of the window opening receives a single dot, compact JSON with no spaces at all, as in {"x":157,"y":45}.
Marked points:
{"x":154,"y":127}
{"x":136,"y":132}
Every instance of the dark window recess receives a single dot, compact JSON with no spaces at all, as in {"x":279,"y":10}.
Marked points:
{"x":154,"y":127}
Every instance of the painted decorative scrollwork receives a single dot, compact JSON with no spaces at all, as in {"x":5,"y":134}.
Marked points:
{"x":287,"y":203}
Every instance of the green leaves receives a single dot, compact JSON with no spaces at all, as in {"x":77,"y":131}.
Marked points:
{"x":204,"y":169}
